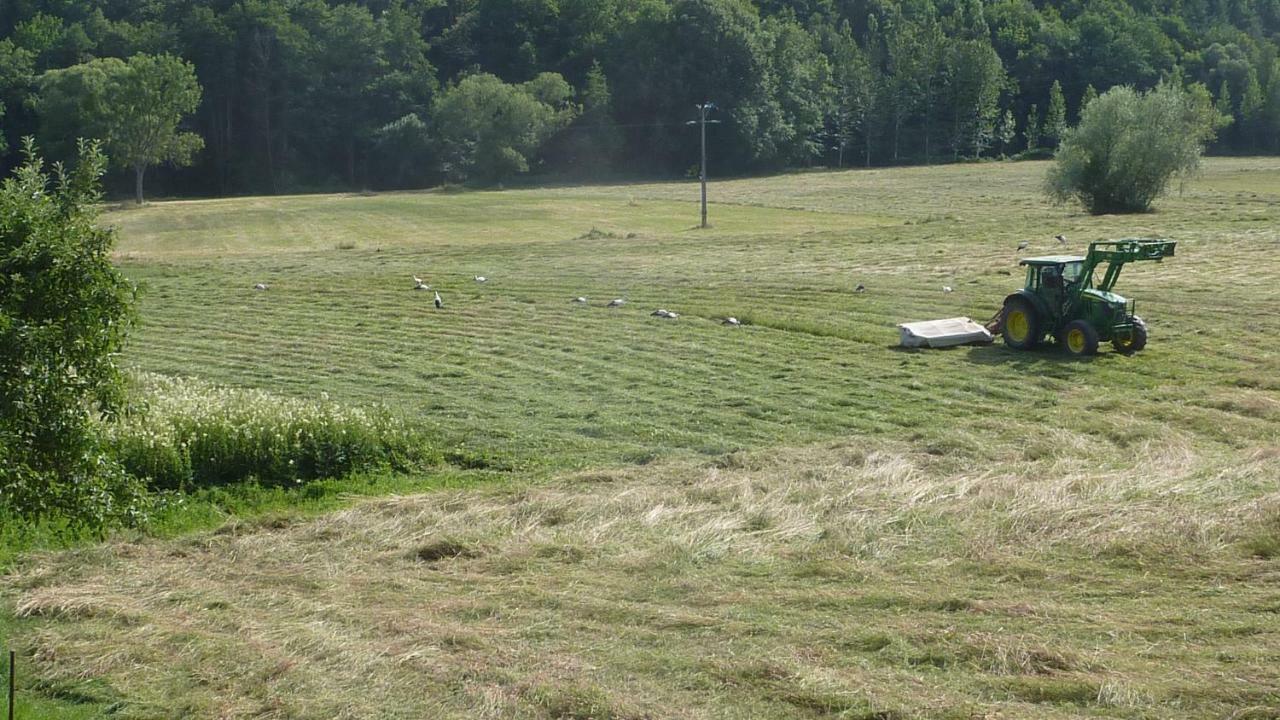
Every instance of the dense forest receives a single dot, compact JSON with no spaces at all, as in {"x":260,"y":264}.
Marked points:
{"x":265,"y":96}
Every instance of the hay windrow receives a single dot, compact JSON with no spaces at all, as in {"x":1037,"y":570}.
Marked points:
{"x":508,"y":601}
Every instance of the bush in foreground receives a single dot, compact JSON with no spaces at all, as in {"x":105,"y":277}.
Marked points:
{"x":64,"y":313}
{"x":1129,"y":145}
{"x":188,"y":434}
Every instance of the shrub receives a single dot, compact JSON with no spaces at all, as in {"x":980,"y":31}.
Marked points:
{"x":64,"y":312}
{"x":185,"y":433}
{"x":1129,"y":145}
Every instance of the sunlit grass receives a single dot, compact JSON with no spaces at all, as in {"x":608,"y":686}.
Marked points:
{"x":791,"y":518}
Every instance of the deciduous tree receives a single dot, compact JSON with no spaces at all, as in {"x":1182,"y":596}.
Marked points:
{"x":133,"y":107}
{"x":976,"y":78}
{"x":1129,"y":145}
{"x":144,"y":107}
{"x":491,"y":129}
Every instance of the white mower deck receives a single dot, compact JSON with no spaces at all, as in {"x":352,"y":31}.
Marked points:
{"x":943,"y":333}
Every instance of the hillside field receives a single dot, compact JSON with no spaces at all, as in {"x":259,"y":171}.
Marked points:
{"x":791,"y":518}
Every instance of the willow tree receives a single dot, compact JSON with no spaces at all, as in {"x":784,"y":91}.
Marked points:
{"x":1129,"y":145}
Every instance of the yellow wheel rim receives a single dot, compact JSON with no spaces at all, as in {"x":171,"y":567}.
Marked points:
{"x":1075,"y":340}
{"x":1018,"y":326}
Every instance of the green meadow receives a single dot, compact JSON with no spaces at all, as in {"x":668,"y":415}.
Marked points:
{"x":680,"y":518}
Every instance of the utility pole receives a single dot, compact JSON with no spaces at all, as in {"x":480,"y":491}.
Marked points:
{"x":702,"y":120}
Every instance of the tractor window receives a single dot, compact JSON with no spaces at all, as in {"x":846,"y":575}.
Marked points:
{"x":1071,"y":272}
{"x":1050,"y":277}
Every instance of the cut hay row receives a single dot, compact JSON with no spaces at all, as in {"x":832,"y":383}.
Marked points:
{"x":838,"y":580}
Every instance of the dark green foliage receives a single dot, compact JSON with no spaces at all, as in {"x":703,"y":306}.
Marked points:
{"x":977,"y":79}
{"x":1129,"y":145}
{"x":1090,"y":94}
{"x":490,"y":129}
{"x":591,"y":147}
{"x":1031,"y":128}
{"x":403,"y":154}
{"x":133,"y":107}
{"x":1055,"y":118}
{"x":310,"y":94}
{"x":64,"y":313}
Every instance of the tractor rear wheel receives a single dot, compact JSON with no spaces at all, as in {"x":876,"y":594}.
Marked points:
{"x":1079,"y":338}
{"x":1021,"y":324}
{"x":1136,"y":341}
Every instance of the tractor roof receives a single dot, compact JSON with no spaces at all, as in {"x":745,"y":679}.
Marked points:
{"x":1051,"y":260}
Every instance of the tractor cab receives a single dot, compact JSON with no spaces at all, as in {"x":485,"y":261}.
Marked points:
{"x":1051,"y":275}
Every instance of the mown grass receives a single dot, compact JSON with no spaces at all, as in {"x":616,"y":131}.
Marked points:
{"x":515,"y":366}
{"x":845,"y":580}
{"x":789,"y":518}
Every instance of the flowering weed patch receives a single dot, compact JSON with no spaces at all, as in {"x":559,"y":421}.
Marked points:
{"x":185,"y":433}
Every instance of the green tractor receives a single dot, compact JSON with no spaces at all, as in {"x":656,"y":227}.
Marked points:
{"x":1061,"y":300}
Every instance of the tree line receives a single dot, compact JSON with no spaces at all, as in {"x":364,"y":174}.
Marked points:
{"x":262,"y":96}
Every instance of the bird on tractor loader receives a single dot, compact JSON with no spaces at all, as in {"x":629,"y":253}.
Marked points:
{"x":1062,"y":299}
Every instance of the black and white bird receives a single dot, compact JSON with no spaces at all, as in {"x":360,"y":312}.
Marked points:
{"x":665,"y":314}
{"x":439,"y":302}
{"x":617,"y":302}
{"x":420,"y":284}
{"x":580,"y":300}
{"x":860,"y":289}
{"x":731,"y":321}
{"x":481,"y":278}
{"x":1024,"y":245}
{"x":261,"y":286}
{"x":1061,"y":238}
{"x":946,"y":288}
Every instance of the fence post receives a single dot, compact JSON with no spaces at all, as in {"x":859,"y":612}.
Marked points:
{"x":13,"y":682}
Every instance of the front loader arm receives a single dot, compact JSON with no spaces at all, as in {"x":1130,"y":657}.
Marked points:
{"x":1118,"y":252}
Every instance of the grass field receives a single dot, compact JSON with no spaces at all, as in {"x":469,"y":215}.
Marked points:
{"x":792,"y":518}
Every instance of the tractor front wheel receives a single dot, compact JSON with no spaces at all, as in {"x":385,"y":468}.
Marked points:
{"x":1021,"y":324}
{"x":1079,"y":338}
{"x":1136,"y":341}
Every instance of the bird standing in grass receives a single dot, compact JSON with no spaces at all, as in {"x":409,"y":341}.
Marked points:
{"x":439,"y":302}
{"x":1061,"y":239}
{"x":420,"y":284}
{"x":481,"y":278}
{"x":1023,"y":245}
{"x":617,"y":302}
{"x":860,"y":289}
{"x":580,"y":300}
{"x":946,"y":288}
{"x":731,"y":321}
{"x":260,"y":286}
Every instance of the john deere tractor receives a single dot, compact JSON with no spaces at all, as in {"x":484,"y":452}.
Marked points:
{"x":1062,"y":301}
